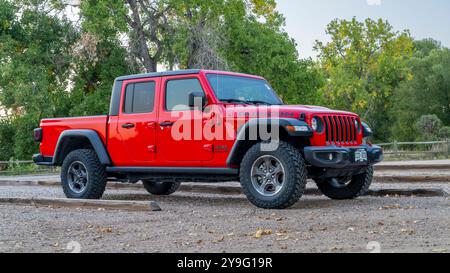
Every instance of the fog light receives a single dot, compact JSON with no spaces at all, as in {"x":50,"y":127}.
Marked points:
{"x":330,"y":157}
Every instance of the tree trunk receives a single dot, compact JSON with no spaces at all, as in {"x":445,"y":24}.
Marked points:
{"x":148,"y":62}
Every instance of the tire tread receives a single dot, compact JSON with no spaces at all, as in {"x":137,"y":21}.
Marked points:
{"x":289,"y":197}
{"x":97,"y":175}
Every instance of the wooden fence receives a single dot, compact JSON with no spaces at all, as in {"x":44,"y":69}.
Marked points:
{"x":428,"y":148}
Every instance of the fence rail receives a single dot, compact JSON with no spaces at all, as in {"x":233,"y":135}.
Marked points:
{"x":423,"y":147}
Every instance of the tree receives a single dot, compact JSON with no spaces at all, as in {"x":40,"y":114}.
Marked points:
{"x":264,"y":48}
{"x":145,"y":22}
{"x":35,"y":68}
{"x":363,"y":63}
{"x":51,"y":66}
{"x":6,"y":140}
{"x":97,"y":62}
{"x":428,"y":127}
{"x":427,"y":91}
{"x":184,"y":33}
{"x":206,"y":23}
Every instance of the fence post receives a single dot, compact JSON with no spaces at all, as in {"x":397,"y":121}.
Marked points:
{"x":396,"y":148}
{"x":448,"y":147}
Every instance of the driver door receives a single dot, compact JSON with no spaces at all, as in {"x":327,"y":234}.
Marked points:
{"x":180,"y":133}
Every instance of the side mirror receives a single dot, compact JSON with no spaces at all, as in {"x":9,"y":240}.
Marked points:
{"x":197,"y":99}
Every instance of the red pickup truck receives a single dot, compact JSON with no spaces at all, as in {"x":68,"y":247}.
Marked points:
{"x":210,"y":126}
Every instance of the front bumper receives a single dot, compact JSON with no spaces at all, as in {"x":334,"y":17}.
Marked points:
{"x":342,"y":157}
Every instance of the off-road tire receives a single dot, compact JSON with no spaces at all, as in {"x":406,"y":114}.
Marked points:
{"x":97,"y":178}
{"x":296,"y":177}
{"x":358,"y":186}
{"x":161,"y":188}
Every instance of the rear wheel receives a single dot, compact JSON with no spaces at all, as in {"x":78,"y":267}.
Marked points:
{"x":83,"y":176}
{"x":161,"y":188}
{"x":275,"y":179}
{"x":342,"y":188}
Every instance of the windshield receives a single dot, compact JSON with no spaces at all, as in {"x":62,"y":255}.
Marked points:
{"x":235,"y":89}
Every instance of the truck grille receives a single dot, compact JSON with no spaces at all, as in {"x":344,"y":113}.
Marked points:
{"x":340,"y":130}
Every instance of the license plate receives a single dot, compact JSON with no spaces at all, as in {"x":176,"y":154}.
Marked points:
{"x":361,"y":155}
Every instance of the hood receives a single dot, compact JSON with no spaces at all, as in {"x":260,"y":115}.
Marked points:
{"x":292,"y":111}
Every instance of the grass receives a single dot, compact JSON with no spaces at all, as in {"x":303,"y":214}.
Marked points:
{"x":25,"y":169}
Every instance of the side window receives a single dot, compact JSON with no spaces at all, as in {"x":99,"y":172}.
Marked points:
{"x":177,"y":93}
{"x":139,"y":98}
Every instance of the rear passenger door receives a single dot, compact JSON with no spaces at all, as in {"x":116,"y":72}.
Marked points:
{"x":138,"y":119}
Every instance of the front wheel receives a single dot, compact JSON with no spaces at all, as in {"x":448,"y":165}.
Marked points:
{"x":273,"y":179}
{"x":342,"y":188}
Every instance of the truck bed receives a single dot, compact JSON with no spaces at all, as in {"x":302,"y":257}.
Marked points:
{"x":52,"y":129}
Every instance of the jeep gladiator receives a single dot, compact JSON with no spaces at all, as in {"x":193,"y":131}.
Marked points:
{"x":210,"y":126}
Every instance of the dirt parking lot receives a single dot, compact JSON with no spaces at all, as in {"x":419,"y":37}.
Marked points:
{"x":201,"y":222}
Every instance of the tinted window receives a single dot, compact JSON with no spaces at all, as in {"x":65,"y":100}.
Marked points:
{"x":177,"y":93}
{"x":129,"y":99}
{"x":139,"y":98}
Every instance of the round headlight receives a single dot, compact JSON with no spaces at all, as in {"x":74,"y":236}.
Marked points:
{"x":315,"y":124}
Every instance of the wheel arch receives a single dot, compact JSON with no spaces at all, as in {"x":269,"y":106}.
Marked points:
{"x":243,"y":142}
{"x":72,"y":140}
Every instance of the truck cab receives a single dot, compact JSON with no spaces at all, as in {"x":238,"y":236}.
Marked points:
{"x":210,"y":126}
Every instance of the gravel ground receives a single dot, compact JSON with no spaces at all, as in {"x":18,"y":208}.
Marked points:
{"x":217,"y":223}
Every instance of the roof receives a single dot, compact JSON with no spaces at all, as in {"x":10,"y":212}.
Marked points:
{"x":159,"y":74}
{"x":178,"y":73}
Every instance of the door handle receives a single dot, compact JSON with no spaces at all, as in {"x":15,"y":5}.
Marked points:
{"x":166,"y":124}
{"x":128,"y":125}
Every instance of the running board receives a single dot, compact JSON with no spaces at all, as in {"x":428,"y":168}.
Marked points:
{"x":171,"y":170}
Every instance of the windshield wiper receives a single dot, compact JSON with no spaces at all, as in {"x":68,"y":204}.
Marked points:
{"x":259,"y":102}
{"x":235,"y":101}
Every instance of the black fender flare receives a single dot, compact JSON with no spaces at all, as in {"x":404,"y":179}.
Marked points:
{"x":91,"y":135}
{"x":282,"y":123}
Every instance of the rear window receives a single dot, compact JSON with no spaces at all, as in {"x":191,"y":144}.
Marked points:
{"x":139,"y":98}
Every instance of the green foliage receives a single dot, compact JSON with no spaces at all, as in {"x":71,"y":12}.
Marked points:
{"x":95,"y":74}
{"x":264,"y":49}
{"x":35,"y":67}
{"x":106,"y":17}
{"x":49,"y":68}
{"x":426,"y":91}
{"x":24,"y":144}
{"x":363,"y":63}
{"x":6,"y":138}
{"x":444,"y":132}
{"x":53,"y":67}
{"x":428,"y":127}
